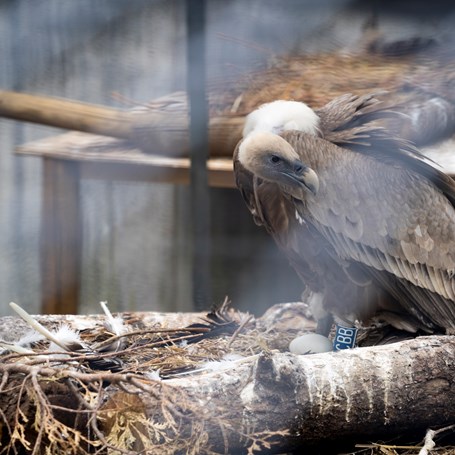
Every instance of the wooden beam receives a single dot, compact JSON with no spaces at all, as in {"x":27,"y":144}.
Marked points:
{"x":60,"y":237}
{"x":152,"y":130}
{"x":62,"y":113}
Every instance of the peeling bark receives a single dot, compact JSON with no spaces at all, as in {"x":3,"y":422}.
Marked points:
{"x":364,"y":393}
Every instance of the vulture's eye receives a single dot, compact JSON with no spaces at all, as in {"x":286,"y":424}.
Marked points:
{"x":275,"y":159}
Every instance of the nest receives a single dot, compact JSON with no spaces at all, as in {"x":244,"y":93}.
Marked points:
{"x":95,"y":402}
{"x":127,"y":400}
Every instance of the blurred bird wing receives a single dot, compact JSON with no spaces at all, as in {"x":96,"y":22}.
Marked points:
{"x":365,"y":124}
{"x":382,"y":215}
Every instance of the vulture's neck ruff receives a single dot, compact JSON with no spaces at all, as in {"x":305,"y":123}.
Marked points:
{"x":271,"y":158}
{"x":280,"y":115}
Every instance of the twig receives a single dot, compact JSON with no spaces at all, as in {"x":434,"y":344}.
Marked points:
{"x":8,"y":427}
{"x":196,"y":330}
{"x":5,"y":378}
{"x":387,"y":446}
{"x":42,"y":409}
{"x":429,"y":444}
{"x":442,"y":430}
{"x":239,"y":329}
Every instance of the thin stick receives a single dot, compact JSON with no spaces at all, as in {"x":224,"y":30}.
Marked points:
{"x":239,"y":329}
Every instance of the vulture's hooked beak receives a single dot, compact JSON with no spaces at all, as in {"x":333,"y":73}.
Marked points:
{"x":304,"y":176}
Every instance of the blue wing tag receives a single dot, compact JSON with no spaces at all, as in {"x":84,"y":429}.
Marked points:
{"x":344,"y":338}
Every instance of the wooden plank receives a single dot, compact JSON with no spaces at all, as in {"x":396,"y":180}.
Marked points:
{"x":110,"y":159}
{"x":92,"y":148}
{"x":220,"y":173}
{"x":60,"y":237}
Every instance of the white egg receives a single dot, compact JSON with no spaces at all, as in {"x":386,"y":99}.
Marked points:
{"x":310,"y":343}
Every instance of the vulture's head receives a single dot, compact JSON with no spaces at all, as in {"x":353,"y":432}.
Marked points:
{"x":271,"y":158}
{"x":281,"y":115}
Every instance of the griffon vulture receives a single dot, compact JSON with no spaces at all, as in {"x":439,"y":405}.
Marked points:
{"x":365,"y":220}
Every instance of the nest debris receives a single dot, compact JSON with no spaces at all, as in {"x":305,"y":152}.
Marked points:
{"x":78,"y":408}
{"x":59,"y":403}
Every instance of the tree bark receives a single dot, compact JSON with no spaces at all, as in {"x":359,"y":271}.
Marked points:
{"x":365,"y":393}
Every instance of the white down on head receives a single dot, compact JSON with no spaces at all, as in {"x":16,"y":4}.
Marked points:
{"x":282,"y":115}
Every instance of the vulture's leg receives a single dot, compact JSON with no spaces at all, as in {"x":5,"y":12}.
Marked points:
{"x":324,"y":325}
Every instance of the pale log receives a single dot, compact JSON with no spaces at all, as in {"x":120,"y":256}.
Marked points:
{"x":153,"y":130}
{"x":361,"y":395}
{"x":63,"y":113}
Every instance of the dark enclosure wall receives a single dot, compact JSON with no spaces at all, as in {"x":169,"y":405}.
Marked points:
{"x":136,"y":250}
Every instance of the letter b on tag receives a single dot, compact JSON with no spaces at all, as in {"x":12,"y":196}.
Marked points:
{"x":344,"y":338}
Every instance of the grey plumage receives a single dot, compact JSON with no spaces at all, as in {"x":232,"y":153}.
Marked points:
{"x":378,"y":236}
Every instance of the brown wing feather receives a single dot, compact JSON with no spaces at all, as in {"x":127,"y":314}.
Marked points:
{"x":385,"y":216}
{"x":359,"y":123}
{"x":275,"y":211}
{"x":244,"y":182}
{"x":417,"y":115}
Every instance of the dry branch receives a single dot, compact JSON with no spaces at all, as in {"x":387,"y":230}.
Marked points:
{"x":265,"y":401}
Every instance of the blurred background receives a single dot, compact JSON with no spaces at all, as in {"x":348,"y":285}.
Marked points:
{"x":136,"y":251}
